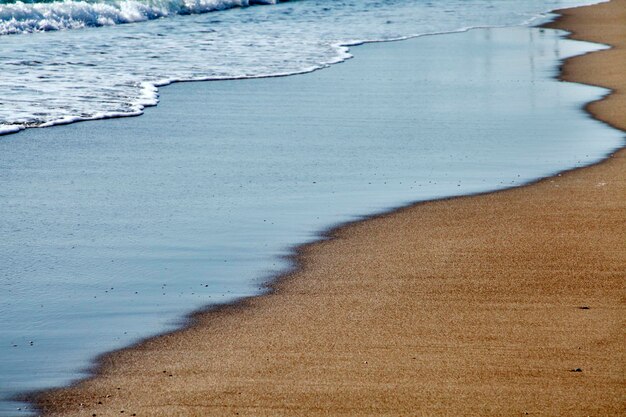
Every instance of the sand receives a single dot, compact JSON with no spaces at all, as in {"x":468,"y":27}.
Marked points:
{"x":509,"y":303}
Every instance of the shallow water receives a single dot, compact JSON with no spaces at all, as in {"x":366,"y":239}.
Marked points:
{"x":114,"y":230}
{"x":94,"y":72}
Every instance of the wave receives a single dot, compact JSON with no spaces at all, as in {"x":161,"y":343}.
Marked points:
{"x":20,"y":17}
{"x":89,"y":75}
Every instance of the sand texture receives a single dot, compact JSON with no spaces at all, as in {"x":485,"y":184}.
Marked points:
{"x":510,"y":303}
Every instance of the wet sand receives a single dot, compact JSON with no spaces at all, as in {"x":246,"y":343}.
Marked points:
{"x":499,"y":304}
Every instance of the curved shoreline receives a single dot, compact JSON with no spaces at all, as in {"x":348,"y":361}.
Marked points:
{"x":307,"y":258}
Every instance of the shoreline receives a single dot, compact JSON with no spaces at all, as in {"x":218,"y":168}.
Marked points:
{"x":185,"y":102}
{"x":299,"y":257}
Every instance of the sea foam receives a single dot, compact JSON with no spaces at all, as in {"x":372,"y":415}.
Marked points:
{"x":23,"y":17}
{"x":105,"y":68}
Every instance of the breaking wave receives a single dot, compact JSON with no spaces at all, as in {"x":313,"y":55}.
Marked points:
{"x":25,"y":17}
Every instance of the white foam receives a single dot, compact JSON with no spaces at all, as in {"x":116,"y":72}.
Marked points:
{"x":58,"y":78}
{"x":6,"y":129}
{"x":38,"y":17}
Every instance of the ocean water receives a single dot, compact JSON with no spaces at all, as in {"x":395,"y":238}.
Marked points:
{"x":113,"y":230}
{"x":98,"y":59}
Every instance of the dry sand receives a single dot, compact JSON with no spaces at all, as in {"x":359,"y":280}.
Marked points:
{"x":476,"y":305}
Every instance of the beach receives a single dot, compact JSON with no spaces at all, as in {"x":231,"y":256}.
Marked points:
{"x":120,"y":228}
{"x":506,"y":303}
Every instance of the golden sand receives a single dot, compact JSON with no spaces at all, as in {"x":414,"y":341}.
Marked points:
{"x":510,"y":303}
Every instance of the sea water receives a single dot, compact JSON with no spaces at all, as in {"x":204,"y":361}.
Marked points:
{"x":113,"y":230}
{"x":99,"y":59}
